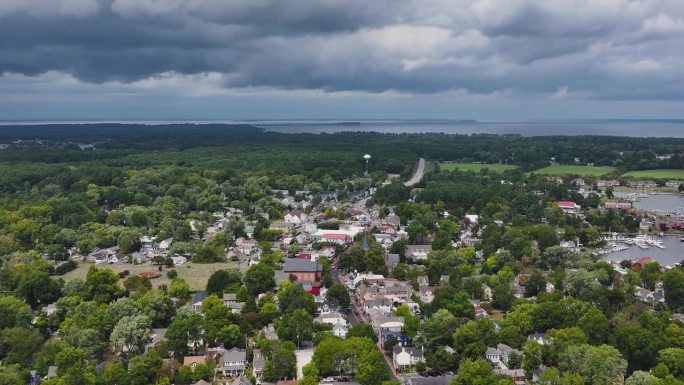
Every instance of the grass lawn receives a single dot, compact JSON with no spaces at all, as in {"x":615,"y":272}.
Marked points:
{"x":450,"y":166}
{"x":578,"y":170}
{"x":195,"y":274}
{"x":657,"y":174}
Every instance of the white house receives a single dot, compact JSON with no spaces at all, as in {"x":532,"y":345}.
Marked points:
{"x":404,"y":357}
{"x":419,"y":252}
{"x":340,"y":330}
{"x":294,"y":217}
{"x":427,"y":294}
{"x":331,"y":319}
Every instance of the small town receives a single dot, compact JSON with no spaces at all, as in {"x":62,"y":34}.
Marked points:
{"x":337,"y":265}
{"x":336,"y":192}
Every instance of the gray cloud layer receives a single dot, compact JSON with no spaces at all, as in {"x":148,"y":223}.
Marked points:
{"x":602,"y":49}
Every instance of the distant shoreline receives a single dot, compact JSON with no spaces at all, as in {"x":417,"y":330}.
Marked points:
{"x":661,"y":128}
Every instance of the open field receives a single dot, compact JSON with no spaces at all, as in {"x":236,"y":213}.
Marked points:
{"x":576,"y":170}
{"x":450,"y":166}
{"x":657,"y":174}
{"x":195,"y":274}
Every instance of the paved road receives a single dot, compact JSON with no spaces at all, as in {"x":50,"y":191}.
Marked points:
{"x":418,"y":176}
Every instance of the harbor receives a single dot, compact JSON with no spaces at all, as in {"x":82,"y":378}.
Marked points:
{"x":668,"y":250}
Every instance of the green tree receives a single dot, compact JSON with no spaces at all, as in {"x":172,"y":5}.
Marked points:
{"x":70,"y":360}
{"x":102,"y":285}
{"x":673,"y":284}
{"x":339,"y":293}
{"x":673,"y":358}
{"x":532,"y":352}
{"x":137,"y":283}
{"x":227,"y":281}
{"x":296,"y":326}
{"x":643,"y":378}
{"x":37,"y":287}
{"x":440,"y":361}
{"x":535,"y":283}
{"x":411,"y":321}
{"x":179,"y":288}
{"x":18,"y":344}
{"x":438,"y":329}
{"x":595,"y":326}
{"x":145,"y":368}
{"x":131,"y":334}
{"x":362,"y":330}
{"x":13,"y":312}
{"x":475,"y":372}
{"x":185,"y":330}
{"x":11,"y":375}
{"x":259,"y":278}
{"x":599,"y":365}
{"x":292,"y":296}
{"x":230,"y":336}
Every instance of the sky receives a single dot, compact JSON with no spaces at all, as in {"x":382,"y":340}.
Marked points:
{"x":489,"y":60}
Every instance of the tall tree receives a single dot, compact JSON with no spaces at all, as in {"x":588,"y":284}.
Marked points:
{"x":131,"y":334}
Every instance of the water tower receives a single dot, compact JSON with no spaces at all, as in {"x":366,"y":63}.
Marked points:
{"x":366,"y":158}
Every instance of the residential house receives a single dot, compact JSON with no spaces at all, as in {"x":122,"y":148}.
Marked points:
{"x":423,"y":280}
{"x":326,"y":307}
{"x":538,"y":338}
{"x":233,"y":362}
{"x":638,"y":266}
{"x":158,"y":336}
{"x":426,"y":294}
{"x":269,"y":332}
{"x":258,"y":362}
{"x":578,"y":182}
{"x":487,"y":292}
{"x":341,"y":239}
{"x":50,"y":309}
{"x":331,"y":319}
{"x":390,"y":326}
{"x":51,"y":372}
{"x":193,"y":361}
{"x":231,"y":302}
{"x":240,"y":380}
{"x":500,"y":355}
{"x":165,"y":244}
{"x":285,"y":227}
{"x":391,"y":261}
{"x":569,"y":207}
{"x":197,"y":300}
{"x":404,"y":357}
{"x":618,"y":205}
{"x":518,"y":375}
{"x":294,"y":217}
{"x":340,"y":330}
{"x":418,"y":252}
{"x":380,"y":305}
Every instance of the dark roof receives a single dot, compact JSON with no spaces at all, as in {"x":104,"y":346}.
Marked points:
{"x":392,"y":260}
{"x":300,"y":265}
{"x":200,"y":296}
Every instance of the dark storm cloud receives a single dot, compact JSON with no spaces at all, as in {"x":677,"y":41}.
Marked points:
{"x":615,"y":49}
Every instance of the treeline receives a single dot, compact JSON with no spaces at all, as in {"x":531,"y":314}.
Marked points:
{"x":392,"y":153}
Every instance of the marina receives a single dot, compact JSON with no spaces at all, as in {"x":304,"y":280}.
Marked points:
{"x":667,"y":250}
